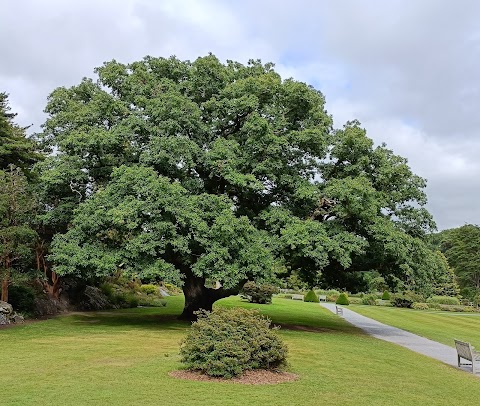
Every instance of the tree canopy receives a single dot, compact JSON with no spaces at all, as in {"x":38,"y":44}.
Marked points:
{"x":200,"y":171}
{"x":461,"y":246}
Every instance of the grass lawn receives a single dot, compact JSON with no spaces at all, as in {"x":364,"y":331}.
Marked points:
{"x":123,"y":358}
{"x":440,"y":326}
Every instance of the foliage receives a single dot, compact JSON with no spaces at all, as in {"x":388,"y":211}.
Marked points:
{"x":17,"y":237}
{"x":355,"y":300}
{"x":227,"y":342}
{"x":381,"y":302}
{"x":402,"y":300}
{"x":461,"y":248}
{"x":342,"y":299}
{"x":420,"y":306}
{"x":22,"y":298}
{"x":447,"y":300}
{"x":386,"y":295}
{"x":149,"y":289}
{"x":456,"y":308}
{"x":202,"y":171}
{"x":311,"y":297}
{"x":369,"y":299}
{"x":15,"y":148}
{"x":258,"y":293}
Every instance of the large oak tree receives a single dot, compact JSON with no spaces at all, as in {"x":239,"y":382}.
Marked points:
{"x":201,"y":171}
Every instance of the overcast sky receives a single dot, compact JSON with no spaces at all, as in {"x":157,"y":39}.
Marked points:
{"x":409,"y":70}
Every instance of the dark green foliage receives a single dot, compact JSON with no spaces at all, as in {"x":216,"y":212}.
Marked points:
{"x":461,"y":247}
{"x":22,"y":298}
{"x":342,"y":299}
{"x":386,"y":295}
{"x":231,"y":170}
{"x":15,"y":148}
{"x":446,"y":300}
{"x":406,"y":299}
{"x":17,"y":237}
{"x":227,"y":342}
{"x":258,"y":293}
{"x":311,"y":297}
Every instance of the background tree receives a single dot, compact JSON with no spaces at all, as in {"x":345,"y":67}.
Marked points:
{"x":461,"y":247}
{"x":15,"y":148}
{"x":234,"y":144}
{"x":17,"y":238}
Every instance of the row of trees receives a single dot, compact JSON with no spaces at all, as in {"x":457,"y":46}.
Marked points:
{"x":461,"y":246}
{"x":195,"y":172}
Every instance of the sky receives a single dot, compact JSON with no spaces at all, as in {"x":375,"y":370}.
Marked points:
{"x":408,"y":70}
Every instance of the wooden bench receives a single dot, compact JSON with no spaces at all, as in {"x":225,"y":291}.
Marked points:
{"x":467,"y":352}
{"x":322,"y":298}
{"x":339,"y":310}
{"x":298,"y":297}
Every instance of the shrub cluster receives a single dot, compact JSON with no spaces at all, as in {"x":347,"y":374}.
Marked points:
{"x":227,"y":342}
{"x":149,"y":289}
{"x":258,"y":293}
{"x":342,"y":299}
{"x":420,"y":306}
{"x":402,"y":301}
{"x":369,"y":299}
{"x":456,"y":308}
{"x":445,"y":300}
{"x":22,"y":298}
{"x":311,"y":296}
{"x":381,"y":302}
{"x":355,"y":300}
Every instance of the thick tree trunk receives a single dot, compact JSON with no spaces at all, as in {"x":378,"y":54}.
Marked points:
{"x":198,"y":296}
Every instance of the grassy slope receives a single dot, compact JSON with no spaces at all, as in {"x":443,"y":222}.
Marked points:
{"x":123,"y":358}
{"x":440,"y":326}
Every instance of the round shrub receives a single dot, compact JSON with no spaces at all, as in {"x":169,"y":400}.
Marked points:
{"x":342,"y":299}
{"x":386,"y":295}
{"x":311,"y":296}
{"x":258,"y":293}
{"x":227,"y":342}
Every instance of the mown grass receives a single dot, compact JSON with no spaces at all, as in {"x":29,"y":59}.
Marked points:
{"x":440,"y":326}
{"x":123,"y":358}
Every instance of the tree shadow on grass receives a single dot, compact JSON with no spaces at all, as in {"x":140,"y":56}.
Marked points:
{"x":123,"y":319}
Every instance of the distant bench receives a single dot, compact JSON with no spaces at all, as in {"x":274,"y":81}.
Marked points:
{"x":298,"y":297}
{"x":322,"y":298}
{"x":466,"y":351}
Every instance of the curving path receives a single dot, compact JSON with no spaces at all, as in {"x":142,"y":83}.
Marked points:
{"x":433,"y":349}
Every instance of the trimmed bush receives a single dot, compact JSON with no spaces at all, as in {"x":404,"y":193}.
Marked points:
{"x":261,"y":294}
{"x":420,"y":306}
{"x":342,"y":299}
{"x":402,"y":301}
{"x":445,"y":300}
{"x":227,"y":342}
{"x":386,"y":295}
{"x":149,"y":289}
{"x":355,"y":300}
{"x":311,"y":297}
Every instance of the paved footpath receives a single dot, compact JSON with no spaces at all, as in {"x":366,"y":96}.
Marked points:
{"x":433,"y":349}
